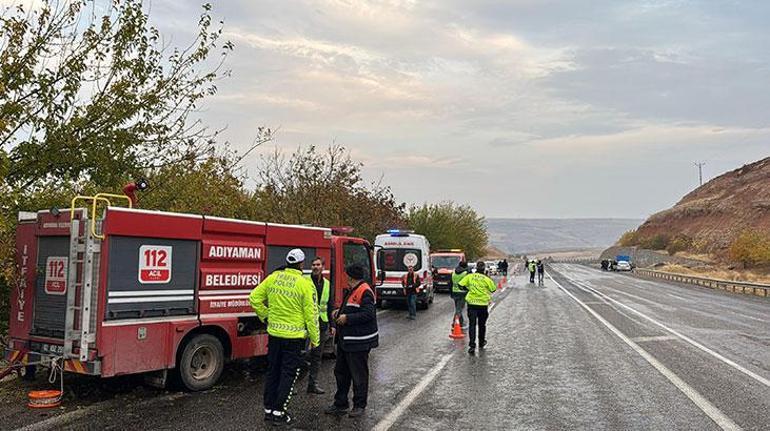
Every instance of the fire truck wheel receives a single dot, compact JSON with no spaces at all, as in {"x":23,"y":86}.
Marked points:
{"x":201,"y":363}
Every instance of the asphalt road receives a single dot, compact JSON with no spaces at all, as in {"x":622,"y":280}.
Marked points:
{"x":588,"y":350}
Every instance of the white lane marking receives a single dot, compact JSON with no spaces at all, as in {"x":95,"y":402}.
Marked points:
{"x":390,"y":419}
{"x":706,"y":407}
{"x":404,"y":404}
{"x":694,"y":343}
{"x":654,"y":338}
{"x":676,"y":296}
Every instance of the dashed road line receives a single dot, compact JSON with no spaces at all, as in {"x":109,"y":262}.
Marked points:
{"x":653,"y":338}
{"x":392,"y":417}
{"x":722,"y":420}
{"x":689,"y":340}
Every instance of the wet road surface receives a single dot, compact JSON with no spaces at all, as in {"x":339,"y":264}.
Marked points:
{"x":588,"y":350}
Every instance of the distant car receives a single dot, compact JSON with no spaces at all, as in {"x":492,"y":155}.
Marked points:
{"x":491,"y":268}
{"x":623,"y":266}
{"x":471,"y":266}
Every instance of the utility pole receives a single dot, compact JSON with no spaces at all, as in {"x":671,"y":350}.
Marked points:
{"x":700,"y":171}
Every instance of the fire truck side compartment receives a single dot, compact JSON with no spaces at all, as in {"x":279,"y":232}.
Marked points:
{"x":128,"y":298}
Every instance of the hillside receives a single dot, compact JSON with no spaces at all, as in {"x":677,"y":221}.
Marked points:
{"x":540,"y":235}
{"x":713,"y":215}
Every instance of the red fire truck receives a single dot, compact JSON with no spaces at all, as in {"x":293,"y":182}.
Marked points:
{"x":137,"y":291}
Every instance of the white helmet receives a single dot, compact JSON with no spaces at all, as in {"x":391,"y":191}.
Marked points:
{"x":295,"y":256}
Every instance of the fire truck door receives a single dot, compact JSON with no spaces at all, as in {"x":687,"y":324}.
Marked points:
{"x":51,"y":286}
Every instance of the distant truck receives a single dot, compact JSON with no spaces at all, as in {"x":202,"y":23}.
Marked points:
{"x":443,"y":264}
{"x":396,"y":251}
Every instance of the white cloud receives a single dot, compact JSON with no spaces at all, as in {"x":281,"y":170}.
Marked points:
{"x":456,"y":96}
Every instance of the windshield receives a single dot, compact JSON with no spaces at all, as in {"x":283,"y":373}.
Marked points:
{"x":445,"y":261}
{"x":397,"y":259}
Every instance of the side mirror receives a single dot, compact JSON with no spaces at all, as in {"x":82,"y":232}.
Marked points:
{"x":380,"y":277}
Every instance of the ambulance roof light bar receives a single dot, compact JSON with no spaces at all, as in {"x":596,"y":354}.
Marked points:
{"x":399,"y":232}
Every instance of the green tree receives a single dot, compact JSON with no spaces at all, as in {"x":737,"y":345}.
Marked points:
{"x":89,"y":98}
{"x":323,"y":188}
{"x":86,"y":94}
{"x":448,"y":225}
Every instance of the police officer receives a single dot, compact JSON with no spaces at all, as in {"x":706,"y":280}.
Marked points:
{"x":480,"y":289}
{"x":326,"y":330}
{"x":458,"y":293}
{"x":356,"y":335}
{"x":532,"y":267}
{"x":287,"y":302}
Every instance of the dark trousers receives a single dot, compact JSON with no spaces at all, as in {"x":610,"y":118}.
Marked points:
{"x":531,"y":276}
{"x":316,"y":355}
{"x":411,"y":303}
{"x":459,"y":299}
{"x":477,"y":314}
{"x":351,"y":367}
{"x":283,"y":361}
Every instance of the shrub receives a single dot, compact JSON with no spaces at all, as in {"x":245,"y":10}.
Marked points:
{"x":628,"y":239}
{"x":679,"y":243}
{"x":751,"y":247}
{"x":655,"y":242}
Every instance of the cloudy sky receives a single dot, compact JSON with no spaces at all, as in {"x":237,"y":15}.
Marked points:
{"x":521,"y":108}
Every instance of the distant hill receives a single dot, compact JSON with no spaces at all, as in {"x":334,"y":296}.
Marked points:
{"x":518,"y":236}
{"x":711,"y":216}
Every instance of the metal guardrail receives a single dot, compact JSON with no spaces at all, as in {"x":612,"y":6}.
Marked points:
{"x":726,"y":285}
{"x":583,"y":260}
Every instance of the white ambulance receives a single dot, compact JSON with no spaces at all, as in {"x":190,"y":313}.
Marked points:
{"x":396,"y":251}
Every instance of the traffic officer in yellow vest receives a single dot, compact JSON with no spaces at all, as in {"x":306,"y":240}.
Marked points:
{"x":323,"y":291}
{"x":287,"y":302}
{"x":480,"y":289}
{"x":458,"y":293}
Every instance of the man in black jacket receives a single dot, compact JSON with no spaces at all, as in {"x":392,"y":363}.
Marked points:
{"x":356,"y":321}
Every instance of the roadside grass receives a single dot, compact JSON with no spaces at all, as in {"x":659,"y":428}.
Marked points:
{"x":718,"y":273}
{"x":696,"y":256}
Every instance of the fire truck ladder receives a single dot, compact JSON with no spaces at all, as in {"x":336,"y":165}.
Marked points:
{"x":83,"y":276}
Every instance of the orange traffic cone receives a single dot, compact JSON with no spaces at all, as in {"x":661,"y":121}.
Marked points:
{"x":457,"y":331}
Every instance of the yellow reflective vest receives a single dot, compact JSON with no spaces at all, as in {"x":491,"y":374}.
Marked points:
{"x":480,"y":288}
{"x":291,"y":310}
{"x":323,"y":301}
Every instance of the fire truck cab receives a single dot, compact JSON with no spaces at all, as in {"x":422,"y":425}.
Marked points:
{"x":443,"y":264}
{"x":396,"y":251}
{"x":137,"y":291}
